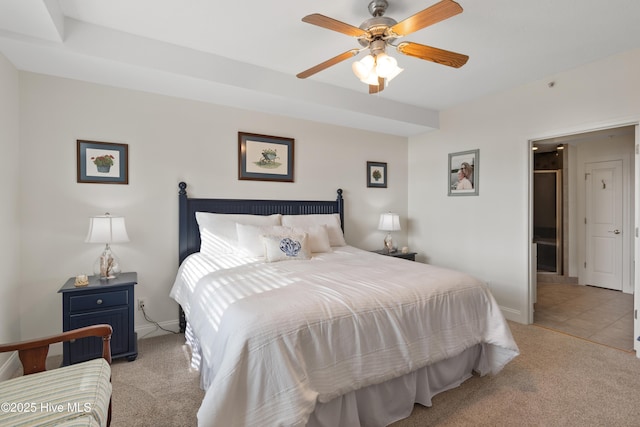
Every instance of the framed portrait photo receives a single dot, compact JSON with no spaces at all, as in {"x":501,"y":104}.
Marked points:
{"x":102,"y":162}
{"x":264,"y":157}
{"x":463,"y":173}
{"x":376,"y":174}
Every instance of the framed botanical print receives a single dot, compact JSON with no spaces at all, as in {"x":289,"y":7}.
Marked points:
{"x":102,"y":162}
{"x":264,"y":157}
{"x":377,"y":174}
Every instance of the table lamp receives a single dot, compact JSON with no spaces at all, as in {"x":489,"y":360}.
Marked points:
{"x":107,"y":229}
{"x":389,"y":222}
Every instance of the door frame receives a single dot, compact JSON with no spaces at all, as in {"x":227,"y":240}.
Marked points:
{"x":636,"y":245}
{"x":635,"y":201}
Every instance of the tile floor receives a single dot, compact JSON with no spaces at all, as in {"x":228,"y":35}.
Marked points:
{"x":596,"y":314}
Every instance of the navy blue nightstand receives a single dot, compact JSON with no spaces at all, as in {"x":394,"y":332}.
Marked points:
{"x":411,"y":256}
{"x":108,"y":301}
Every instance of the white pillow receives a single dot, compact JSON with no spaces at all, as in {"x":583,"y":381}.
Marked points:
{"x":218,"y":231}
{"x":332,"y":221}
{"x":318,"y":237}
{"x":250,"y":237}
{"x":286,"y":247}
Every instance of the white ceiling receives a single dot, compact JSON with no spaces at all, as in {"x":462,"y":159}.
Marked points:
{"x":247,"y":53}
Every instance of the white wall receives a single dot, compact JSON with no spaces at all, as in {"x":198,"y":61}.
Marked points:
{"x":9,"y":208}
{"x":487,"y":235}
{"x":170,"y":140}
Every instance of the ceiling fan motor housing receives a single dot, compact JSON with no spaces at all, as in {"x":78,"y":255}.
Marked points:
{"x":377,"y":47}
{"x":377,"y":27}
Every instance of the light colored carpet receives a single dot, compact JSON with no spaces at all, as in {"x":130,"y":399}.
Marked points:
{"x":558,"y":380}
{"x":158,"y":388}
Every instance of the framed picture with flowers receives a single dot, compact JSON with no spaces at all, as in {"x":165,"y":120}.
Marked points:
{"x":103,"y":162}
{"x":376,"y":174}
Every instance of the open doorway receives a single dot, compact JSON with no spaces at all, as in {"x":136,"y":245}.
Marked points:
{"x":579,"y":184}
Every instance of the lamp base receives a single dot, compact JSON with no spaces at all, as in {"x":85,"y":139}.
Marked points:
{"x":388,"y":243}
{"x":107,"y":265}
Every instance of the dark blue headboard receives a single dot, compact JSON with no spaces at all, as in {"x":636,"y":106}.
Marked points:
{"x":189,"y":234}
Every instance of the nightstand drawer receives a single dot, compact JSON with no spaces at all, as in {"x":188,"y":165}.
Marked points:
{"x":99,"y":300}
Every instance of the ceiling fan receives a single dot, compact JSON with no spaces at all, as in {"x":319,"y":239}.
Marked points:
{"x":378,"y":32}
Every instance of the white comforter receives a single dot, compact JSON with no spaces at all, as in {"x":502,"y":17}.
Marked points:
{"x":278,"y":337}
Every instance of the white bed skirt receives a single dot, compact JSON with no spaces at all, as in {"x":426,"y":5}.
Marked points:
{"x":393,"y":400}
{"x":388,"y":402}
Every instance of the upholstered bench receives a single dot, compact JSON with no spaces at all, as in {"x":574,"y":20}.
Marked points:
{"x":75,"y":395}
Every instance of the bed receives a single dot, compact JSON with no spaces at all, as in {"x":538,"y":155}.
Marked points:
{"x":291,"y":326}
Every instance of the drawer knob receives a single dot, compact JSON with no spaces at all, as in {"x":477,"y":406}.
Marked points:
{"x":99,"y":302}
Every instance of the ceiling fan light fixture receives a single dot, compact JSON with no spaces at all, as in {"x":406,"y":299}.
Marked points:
{"x":385,"y":65}
{"x":364,"y":67}
{"x":371,"y":79}
{"x":394,"y":73}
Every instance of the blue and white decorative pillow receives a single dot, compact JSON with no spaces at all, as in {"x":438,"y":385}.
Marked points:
{"x":286,"y":247}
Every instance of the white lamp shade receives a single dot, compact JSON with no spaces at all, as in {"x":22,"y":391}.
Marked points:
{"x":389,"y":222}
{"x":363,"y":68}
{"x":371,"y":79}
{"x":385,"y":65}
{"x":397,"y":70}
{"x":107,"y":229}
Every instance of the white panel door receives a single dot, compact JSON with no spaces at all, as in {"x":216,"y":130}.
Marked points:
{"x":604,"y":224}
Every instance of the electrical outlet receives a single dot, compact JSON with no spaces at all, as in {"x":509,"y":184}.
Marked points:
{"x":142,"y":303}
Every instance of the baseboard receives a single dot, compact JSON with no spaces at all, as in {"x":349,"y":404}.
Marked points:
{"x":513,"y":315}
{"x":9,"y":367}
{"x":152,"y":330}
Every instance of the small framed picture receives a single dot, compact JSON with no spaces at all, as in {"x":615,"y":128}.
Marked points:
{"x":265,"y":158}
{"x":376,"y":174}
{"x":463,"y":173}
{"x":102,"y":162}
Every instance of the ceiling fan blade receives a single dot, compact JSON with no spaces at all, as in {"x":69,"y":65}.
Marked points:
{"x":438,"y":12}
{"x":328,"y":63}
{"x":433,"y":54}
{"x":377,"y":89}
{"x":333,"y":24}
